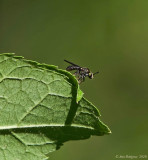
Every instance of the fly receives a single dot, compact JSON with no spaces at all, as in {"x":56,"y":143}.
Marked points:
{"x":81,"y":72}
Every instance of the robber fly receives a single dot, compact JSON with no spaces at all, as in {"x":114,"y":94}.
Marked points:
{"x":81,"y":72}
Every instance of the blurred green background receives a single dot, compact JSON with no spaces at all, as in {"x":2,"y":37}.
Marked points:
{"x":106,"y":35}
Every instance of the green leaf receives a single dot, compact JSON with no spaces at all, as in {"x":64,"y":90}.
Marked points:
{"x":41,"y":107}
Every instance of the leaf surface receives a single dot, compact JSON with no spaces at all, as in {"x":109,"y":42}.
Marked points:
{"x":41,"y":107}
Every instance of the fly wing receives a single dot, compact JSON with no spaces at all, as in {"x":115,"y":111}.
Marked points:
{"x":71,"y":63}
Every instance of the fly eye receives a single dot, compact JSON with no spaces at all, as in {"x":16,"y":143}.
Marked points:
{"x":89,"y":74}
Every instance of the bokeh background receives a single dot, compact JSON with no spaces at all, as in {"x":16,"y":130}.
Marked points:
{"x":106,"y":35}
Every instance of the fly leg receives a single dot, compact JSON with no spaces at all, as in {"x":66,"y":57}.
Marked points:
{"x":81,"y":78}
{"x":77,"y":73}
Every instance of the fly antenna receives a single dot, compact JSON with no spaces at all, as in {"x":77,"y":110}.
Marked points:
{"x":96,"y":73}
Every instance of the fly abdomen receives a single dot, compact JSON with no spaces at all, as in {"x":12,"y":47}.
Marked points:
{"x":70,"y":68}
